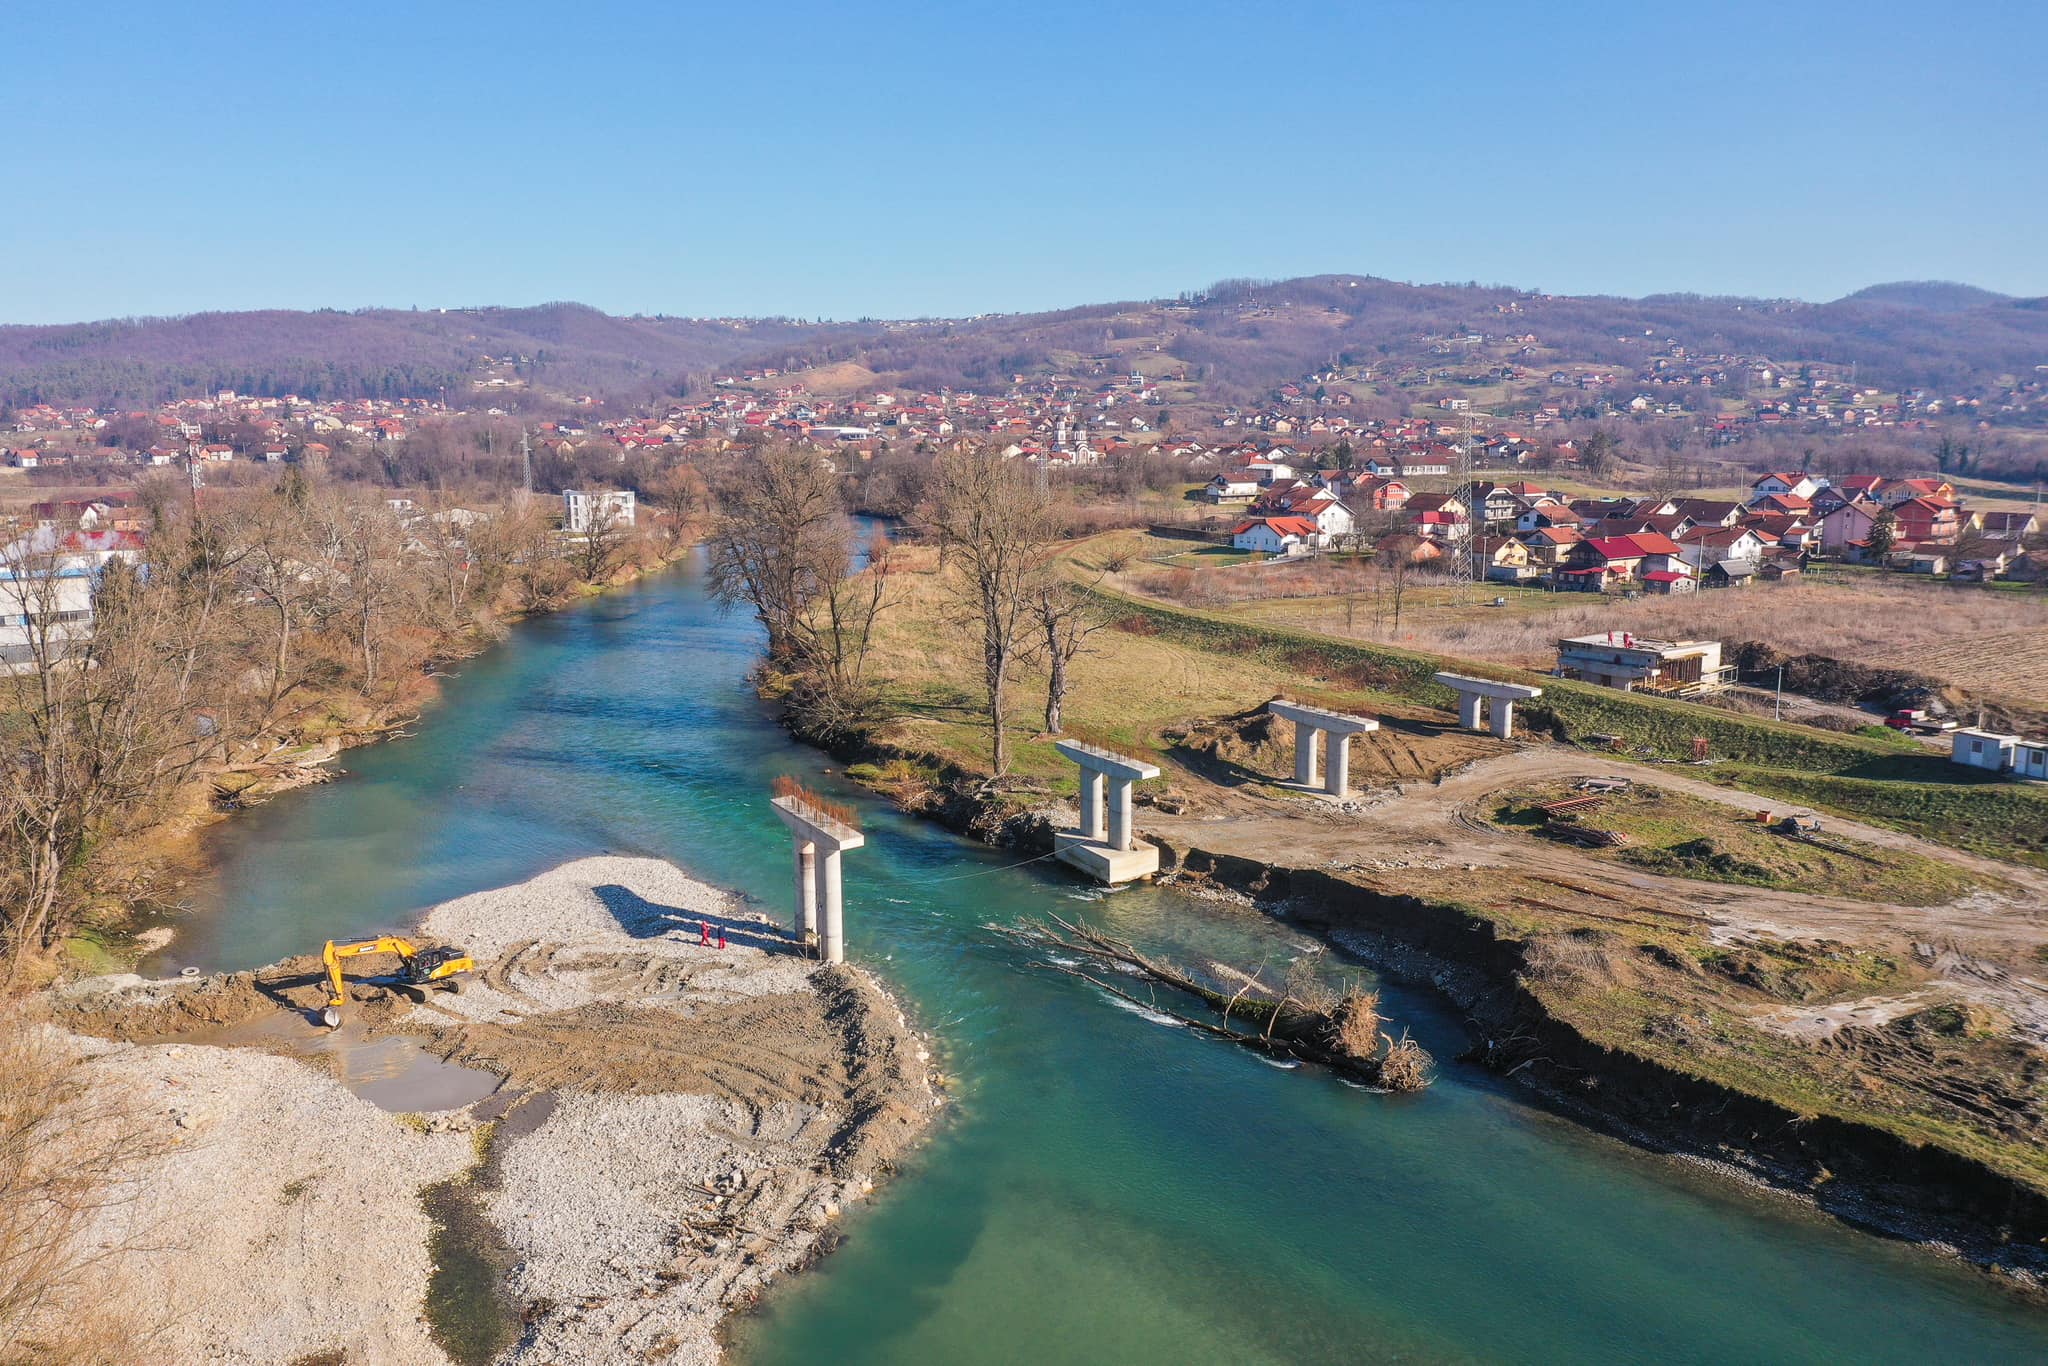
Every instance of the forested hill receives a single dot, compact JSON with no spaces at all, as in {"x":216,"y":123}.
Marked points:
{"x":560,"y":349}
{"x":1238,"y":338}
{"x":1242,"y":337}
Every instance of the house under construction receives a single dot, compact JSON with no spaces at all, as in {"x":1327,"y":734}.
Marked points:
{"x":1632,"y":663}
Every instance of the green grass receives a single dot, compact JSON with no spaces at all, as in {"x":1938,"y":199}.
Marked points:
{"x":1914,"y":789}
{"x":1682,"y":836}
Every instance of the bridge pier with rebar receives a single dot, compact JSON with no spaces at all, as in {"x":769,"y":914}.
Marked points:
{"x":818,"y":839}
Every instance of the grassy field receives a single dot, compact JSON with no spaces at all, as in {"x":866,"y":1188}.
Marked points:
{"x":1125,"y":688}
{"x":1995,"y":644}
{"x":1867,"y":778}
{"x":1682,"y":836}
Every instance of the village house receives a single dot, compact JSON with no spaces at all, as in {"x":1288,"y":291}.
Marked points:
{"x":1234,"y":487}
{"x":1800,"y":486}
{"x":1632,"y":663}
{"x":1648,"y":561}
{"x":583,"y":509}
{"x":1507,"y":560}
{"x":1549,"y":545}
{"x":1276,"y":535}
{"x":1707,"y":546}
{"x":1904,"y":490}
{"x":1927,"y":519}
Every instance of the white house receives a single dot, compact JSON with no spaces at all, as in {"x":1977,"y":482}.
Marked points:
{"x":2030,"y":760}
{"x":1276,"y":535}
{"x":1791,"y":484}
{"x":1231,"y":488}
{"x":583,"y":509}
{"x":1983,"y":749}
{"x":1333,"y":520}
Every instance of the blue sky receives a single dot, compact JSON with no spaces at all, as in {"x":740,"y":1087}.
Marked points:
{"x":839,"y":159}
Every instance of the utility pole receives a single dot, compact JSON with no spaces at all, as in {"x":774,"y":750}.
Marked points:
{"x":1778,"y":706}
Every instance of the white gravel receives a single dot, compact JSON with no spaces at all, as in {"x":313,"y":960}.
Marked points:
{"x":592,"y":913}
{"x":634,"y":1217}
{"x":283,"y":1223}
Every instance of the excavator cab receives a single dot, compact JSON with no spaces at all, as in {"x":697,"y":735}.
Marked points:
{"x":417,"y":967}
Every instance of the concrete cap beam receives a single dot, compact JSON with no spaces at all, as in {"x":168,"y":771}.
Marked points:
{"x":1103,"y":761}
{"x":1336,"y":722}
{"x":807,"y":823}
{"x":1487,"y":687}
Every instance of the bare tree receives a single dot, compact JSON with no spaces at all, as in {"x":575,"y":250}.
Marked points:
{"x":1065,"y":618}
{"x":833,"y":692}
{"x":96,"y":724}
{"x":991,"y":521}
{"x":605,"y":545}
{"x":781,"y":540}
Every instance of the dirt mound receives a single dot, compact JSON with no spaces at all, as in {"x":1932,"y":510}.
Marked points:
{"x":135,"y":1010}
{"x":1255,"y":746}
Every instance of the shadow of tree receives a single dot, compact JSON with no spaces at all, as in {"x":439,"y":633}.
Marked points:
{"x":644,"y":919}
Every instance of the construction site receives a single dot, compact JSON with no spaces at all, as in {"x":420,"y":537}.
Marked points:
{"x":610,"y":1026}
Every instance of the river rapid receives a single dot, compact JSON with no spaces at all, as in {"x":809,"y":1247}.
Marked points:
{"x":1108,"y":1187}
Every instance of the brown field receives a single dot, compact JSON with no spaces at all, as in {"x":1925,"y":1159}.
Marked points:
{"x":1992,"y":642}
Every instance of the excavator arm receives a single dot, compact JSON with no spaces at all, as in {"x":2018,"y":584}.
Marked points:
{"x":417,"y":967}
{"x":337,"y":993}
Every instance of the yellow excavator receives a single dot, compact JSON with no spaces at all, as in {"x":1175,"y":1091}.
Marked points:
{"x":416,"y":967}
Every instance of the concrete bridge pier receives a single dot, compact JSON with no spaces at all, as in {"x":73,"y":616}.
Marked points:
{"x":1106,"y":850}
{"x":1314,"y":729}
{"x":1498,"y":698}
{"x":819,"y":840}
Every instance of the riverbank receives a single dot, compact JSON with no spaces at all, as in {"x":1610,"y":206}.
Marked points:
{"x":668,"y":1126}
{"x":138,"y":879}
{"x":1877,"y":1059}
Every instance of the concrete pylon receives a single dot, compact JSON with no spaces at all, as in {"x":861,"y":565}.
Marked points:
{"x":1114,"y":854}
{"x":1307,"y":740}
{"x":1093,"y":823}
{"x":806,"y":925}
{"x":1500,"y":699}
{"x":1315,"y":727}
{"x":819,"y":840}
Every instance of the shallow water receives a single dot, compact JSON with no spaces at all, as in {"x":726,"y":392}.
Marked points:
{"x":1107,"y":1188}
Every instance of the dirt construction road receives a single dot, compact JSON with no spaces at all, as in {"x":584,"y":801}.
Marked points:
{"x":1429,"y":838}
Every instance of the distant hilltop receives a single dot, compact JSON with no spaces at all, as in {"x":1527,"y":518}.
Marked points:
{"x":1939,"y":296}
{"x":1236,"y":339}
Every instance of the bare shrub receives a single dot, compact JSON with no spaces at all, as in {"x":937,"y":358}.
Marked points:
{"x":1355,"y":1023}
{"x":67,"y":1144}
{"x":1407,"y":1064}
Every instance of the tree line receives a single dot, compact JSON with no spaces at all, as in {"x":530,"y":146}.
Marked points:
{"x":247,"y":619}
{"x":783,"y":547}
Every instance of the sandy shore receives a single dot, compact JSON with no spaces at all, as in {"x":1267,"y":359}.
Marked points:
{"x":680,"y":1125}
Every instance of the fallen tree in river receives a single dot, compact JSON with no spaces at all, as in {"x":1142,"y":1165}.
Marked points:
{"x":1300,"y":1018}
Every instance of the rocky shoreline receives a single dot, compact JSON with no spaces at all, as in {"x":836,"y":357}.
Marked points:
{"x":669,"y":1126}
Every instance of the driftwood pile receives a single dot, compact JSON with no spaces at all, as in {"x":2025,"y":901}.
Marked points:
{"x":1298,"y":1018}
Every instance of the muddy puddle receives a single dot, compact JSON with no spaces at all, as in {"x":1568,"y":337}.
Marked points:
{"x":391,"y":1071}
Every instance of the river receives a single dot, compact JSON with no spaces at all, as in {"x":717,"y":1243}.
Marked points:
{"x":1107,"y":1188}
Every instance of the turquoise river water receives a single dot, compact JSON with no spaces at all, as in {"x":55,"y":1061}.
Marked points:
{"x":1106,"y":1188}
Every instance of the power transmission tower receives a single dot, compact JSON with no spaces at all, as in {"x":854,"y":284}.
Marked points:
{"x":1465,"y":542}
{"x":526,"y":460}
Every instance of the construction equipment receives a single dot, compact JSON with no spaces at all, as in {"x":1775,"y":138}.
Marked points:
{"x":417,"y":967}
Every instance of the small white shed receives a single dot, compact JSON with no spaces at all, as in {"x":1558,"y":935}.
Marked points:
{"x":2030,"y":760}
{"x":1985,"y":749}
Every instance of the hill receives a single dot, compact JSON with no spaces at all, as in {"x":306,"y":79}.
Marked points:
{"x":375,"y":353}
{"x":1231,"y":342}
{"x":1939,"y":296}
